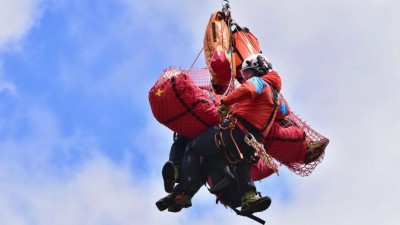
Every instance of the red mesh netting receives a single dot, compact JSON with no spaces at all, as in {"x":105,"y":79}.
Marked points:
{"x":190,"y":109}
{"x":200,"y":76}
{"x":301,"y":168}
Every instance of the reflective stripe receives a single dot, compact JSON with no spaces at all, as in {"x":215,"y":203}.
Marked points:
{"x":282,"y":106}
{"x":258,"y":83}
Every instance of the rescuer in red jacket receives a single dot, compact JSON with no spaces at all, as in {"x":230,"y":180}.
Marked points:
{"x":253,"y":108}
{"x":288,"y":143}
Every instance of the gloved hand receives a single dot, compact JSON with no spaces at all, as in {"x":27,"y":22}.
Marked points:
{"x":223,"y":110}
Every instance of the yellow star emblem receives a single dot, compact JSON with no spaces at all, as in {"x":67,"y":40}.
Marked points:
{"x":159,"y":92}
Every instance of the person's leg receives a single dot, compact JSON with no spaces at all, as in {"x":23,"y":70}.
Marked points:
{"x":242,"y":174}
{"x":204,"y":146}
{"x":168,"y":202}
{"x":178,"y":150}
{"x":224,"y":185}
{"x":219,"y":178}
{"x":171,"y":168}
{"x":251,"y":201}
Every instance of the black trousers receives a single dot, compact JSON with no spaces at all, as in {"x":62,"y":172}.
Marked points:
{"x":204,"y":146}
{"x":177,"y":151}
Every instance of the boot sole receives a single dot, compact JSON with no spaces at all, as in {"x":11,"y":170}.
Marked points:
{"x":168,"y":173}
{"x":262,"y":205}
{"x":174,"y":208}
{"x":164,"y":203}
{"x":177,"y":208}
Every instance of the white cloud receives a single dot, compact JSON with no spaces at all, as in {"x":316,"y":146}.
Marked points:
{"x":6,"y":86}
{"x":355,"y":105}
{"x":39,"y":188}
{"x":16,"y":18}
{"x":100,"y":193}
{"x":339,"y":64}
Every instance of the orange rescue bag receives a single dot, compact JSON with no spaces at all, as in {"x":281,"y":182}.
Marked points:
{"x":216,"y":49}
{"x":244,"y":45}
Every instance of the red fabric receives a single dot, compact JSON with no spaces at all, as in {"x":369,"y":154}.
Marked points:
{"x":259,"y":170}
{"x":274,"y":79}
{"x":286,"y":144}
{"x":183,"y":107}
{"x":252,"y":106}
{"x":221,"y":66}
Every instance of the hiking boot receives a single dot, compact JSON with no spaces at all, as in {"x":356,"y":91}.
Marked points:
{"x":315,"y":150}
{"x":170,"y":175}
{"x":174,"y":208}
{"x":252,"y":202}
{"x":181,"y":201}
{"x":165,"y":202}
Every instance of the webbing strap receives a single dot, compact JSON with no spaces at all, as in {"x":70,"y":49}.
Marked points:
{"x":272,"y":115}
{"x":253,"y":217}
{"x":275,"y":100}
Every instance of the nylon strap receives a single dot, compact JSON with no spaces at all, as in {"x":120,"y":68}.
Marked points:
{"x":253,"y":217}
{"x":272,"y":115}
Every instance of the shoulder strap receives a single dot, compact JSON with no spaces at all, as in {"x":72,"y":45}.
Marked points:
{"x":273,"y":113}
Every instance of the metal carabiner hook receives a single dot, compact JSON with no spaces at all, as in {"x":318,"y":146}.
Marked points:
{"x":248,"y":138}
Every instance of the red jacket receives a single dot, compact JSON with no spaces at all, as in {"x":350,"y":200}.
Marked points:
{"x":253,"y":100}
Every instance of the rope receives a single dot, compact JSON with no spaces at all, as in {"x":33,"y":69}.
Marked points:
{"x":260,"y":151}
{"x":227,"y":11}
{"x":196,"y":58}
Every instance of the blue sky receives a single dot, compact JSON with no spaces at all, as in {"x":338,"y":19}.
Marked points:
{"x":79,"y":144}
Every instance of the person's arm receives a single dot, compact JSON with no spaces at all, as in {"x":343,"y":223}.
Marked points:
{"x":247,"y":90}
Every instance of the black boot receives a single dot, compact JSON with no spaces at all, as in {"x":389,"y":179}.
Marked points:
{"x":181,"y":201}
{"x":166,"y":202}
{"x":170,"y":174}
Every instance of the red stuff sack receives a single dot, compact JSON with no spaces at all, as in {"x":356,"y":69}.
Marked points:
{"x":179,"y":104}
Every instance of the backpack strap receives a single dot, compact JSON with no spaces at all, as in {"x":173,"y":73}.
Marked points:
{"x":272,"y":115}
